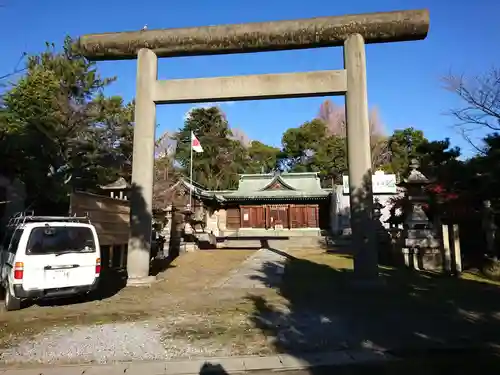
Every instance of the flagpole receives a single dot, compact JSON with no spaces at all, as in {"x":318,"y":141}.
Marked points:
{"x":191,"y":173}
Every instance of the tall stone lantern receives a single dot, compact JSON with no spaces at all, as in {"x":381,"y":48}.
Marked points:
{"x":415,"y":217}
{"x":421,"y":242}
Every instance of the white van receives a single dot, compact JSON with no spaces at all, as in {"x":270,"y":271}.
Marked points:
{"x":48,"y":257}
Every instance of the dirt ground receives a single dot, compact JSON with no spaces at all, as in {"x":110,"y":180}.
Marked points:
{"x":315,"y":305}
{"x":182,"y":289}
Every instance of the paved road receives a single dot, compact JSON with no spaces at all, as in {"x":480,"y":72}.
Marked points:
{"x":316,"y":364}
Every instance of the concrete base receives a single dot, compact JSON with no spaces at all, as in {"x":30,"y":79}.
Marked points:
{"x":258,"y":232}
{"x":141,"y":281}
{"x":273,"y":364}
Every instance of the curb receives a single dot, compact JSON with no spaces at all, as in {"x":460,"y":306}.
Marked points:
{"x":212,"y":365}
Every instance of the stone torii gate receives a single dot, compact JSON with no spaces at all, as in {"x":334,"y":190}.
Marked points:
{"x":350,"y":31}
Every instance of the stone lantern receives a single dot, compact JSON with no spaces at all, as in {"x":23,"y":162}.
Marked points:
{"x":421,"y":242}
{"x":489,"y":227}
{"x":377,"y":209}
{"x":414,"y":216}
{"x":383,"y":237}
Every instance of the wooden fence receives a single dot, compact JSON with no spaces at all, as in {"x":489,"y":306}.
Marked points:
{"x":111,"y":217}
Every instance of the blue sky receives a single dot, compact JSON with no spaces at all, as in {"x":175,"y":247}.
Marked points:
{"x":403,"y":78}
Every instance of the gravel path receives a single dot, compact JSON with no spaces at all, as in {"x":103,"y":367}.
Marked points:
{"x":177,"y":335}
{"x":106,"y":343}
{"x":264,"y":269}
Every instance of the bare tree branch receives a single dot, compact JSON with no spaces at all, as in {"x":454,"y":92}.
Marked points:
{"x":481,"y":97}
{"x":467,"y":138}
{"x":16,"y":69}
{"x":165,"y":145}
{"x":239,"y":135}
{"x":335,"y":119}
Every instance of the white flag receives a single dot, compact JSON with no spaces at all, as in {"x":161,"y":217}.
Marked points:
{"x":195,"y":143}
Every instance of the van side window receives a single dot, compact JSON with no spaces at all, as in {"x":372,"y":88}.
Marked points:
{"x":14,"y":243}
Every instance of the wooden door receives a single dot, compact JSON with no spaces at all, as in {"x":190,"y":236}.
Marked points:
{"x":245,"y":217}
{"x":304,"y":216}
{"x":253,"y":217}
{"x":295,"y":216}
{"x":311,"y":218}
{"x":259,"y":217}
{"x":278,"y":216}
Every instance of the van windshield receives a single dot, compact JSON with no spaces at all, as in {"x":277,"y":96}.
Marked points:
{"x":60,"y":240}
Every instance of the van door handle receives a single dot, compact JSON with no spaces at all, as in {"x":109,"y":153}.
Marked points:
{"x":61,"y":267}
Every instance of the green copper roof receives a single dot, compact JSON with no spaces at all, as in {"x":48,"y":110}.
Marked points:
{"x":293,"y":186}
{"x":261,"y":186}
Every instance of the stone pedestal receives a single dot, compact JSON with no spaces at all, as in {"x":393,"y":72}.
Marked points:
{"x":189,"y":247}
{"x":423,"y":259}
{"x":141,"y":281}
{"x":422,"y":250}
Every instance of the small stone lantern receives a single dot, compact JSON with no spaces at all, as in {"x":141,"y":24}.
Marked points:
{"x":382,"y":234}
{"x":489,"y":227}
{"x":377,"y":209}
{"x":414,"y":215}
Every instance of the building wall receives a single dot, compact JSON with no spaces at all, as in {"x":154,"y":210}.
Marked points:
{"x":229,"y":219}
{"x":278,"y":215}
{"x":341,"y":213}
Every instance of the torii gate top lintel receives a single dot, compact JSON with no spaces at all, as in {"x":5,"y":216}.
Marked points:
{"x":317,"y":32}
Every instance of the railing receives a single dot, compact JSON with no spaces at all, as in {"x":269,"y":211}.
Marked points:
{"x":23,"y":218}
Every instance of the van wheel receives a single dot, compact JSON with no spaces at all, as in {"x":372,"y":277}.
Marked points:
{"x":11,"y":303}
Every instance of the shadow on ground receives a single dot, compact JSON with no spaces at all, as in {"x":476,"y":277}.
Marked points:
{"x":413,"y":315}
{"x":209,"y":368}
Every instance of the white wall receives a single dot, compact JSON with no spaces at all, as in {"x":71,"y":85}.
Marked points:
{"x":340,"y":214}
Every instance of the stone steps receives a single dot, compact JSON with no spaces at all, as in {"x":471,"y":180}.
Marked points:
{"x":241,"y":244}
{"x":312,"y":242}
{"x":269,"y":233}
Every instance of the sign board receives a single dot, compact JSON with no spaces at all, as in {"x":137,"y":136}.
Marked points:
{"x":381,"y":183}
